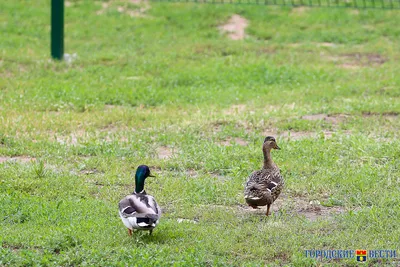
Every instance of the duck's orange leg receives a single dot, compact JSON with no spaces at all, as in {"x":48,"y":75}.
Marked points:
{"x":129,"y":232}
{"x":269,"y":205}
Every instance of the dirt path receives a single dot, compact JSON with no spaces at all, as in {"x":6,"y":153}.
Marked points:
{"x":235,"y":27}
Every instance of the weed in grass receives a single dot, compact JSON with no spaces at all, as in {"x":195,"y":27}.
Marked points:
{"x":40,"y":169}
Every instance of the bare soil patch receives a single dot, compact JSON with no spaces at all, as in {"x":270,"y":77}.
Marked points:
{"x":298,"y":135}
{"x":108,"y":133}
{"x":354,"y":11}
{"x":235,"y":109}
{"x":240,"y":141}
{"x":314,"y":117}
{"x":336,"y":118}
{"x":375,"y":59}
{"x":241,"y":108}
{"x":104,"y":7}
{"x":296,"y":206}
{"x":384,"y":114}
{"x":293,"y":135}
{"x":326,"y":44}
{"x":332,"y":118}
{"x":235,"y":27}
{"x":71,"y":139}
{"x":221,"y":177}
{"x":229,"y":141}
{"x":142,"y":7}
{"x":191,"y":173}
{"x":116,"y":128}
{"x":164,"y":152}
{"x":217,"y":126}
{"x":266,"y":50}
{"x":89,"y":171}
{"x":13,"y":247}
{"x":111,"y":107}
{"x":349,"y":66}
{"x":301,"y":206}
{"x":299,"y":10}
{"x":141,"y":11}
{"x":358,"y":60}
{"x":294,"y":44}
{"x":24,"y":159}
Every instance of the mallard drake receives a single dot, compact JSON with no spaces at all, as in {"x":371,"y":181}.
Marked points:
{"x":140,"y":210}
{"x":264,"y":186}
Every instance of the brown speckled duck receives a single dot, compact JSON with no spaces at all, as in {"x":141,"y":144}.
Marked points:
{"x":264,"y":186}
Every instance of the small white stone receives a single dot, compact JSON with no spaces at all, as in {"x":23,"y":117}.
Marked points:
{"x":315,"y":202}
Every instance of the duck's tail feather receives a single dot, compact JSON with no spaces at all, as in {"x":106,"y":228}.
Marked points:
{"x":146,"y":222}
{"x":252,"y":192}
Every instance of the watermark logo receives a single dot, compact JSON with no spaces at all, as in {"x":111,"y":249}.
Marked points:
{"x":361,"y":255}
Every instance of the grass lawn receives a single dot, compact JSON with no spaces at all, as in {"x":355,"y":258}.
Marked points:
{"x":159,"y":84}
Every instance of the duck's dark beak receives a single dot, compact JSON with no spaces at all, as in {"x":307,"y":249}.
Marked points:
{"x":277,"y":147}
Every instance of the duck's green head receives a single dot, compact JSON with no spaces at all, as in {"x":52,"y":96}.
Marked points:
{"x":142,"y":173}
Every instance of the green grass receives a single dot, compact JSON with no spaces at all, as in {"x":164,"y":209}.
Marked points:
{"x":169,"y":82}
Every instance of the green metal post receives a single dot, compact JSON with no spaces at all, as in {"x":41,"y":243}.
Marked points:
{"x":57,"y":29}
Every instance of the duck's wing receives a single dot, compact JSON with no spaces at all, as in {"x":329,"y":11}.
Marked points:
{"x":275,"y":184}
{"x":140,"y":206}
{"x":262,"y":183}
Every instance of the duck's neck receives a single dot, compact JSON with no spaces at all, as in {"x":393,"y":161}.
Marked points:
{"x":268,"y":163}
{"x":139,"y":184}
